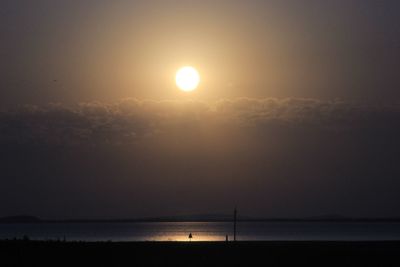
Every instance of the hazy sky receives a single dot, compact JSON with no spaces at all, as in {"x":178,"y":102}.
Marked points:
{"x":297,"y":113}
{"x":107,"y":50}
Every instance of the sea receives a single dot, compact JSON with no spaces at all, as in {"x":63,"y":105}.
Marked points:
{"x":204,"y":231}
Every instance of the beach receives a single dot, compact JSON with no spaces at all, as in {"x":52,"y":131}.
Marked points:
{"x":271,"y":253}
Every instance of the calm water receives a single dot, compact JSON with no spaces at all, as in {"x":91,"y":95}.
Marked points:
{"x":203,"y":231}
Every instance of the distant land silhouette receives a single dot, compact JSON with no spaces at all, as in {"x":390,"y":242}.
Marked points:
{"x":198,"y":218}
{"x":20,"y":219}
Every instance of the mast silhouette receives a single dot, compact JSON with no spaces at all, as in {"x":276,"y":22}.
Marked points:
{"x":234,"y":223}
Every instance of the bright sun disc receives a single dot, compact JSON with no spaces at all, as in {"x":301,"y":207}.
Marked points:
{"x":187,"y":79}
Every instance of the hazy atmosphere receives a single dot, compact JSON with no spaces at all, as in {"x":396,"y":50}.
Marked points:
{"x":296,"y":113}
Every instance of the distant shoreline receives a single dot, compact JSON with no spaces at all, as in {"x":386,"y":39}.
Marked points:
{"x":32,"y":220}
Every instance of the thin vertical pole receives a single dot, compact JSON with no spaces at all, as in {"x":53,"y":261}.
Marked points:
{"x":234,"y":224}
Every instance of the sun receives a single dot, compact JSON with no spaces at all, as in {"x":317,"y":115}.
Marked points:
{"x":187,"y":78}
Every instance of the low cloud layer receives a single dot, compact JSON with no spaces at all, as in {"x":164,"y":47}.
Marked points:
{"x":131,"y":120}
{"x":271,"y":157}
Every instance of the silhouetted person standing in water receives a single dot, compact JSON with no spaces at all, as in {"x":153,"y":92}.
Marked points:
{"x":190,"y":237}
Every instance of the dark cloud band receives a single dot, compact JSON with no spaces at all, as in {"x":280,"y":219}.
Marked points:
{"x":130,"y":120}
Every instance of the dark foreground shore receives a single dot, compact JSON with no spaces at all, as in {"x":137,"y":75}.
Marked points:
{"x":310,"y":253}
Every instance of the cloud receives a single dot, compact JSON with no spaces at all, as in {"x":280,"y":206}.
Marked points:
{"x":273,"y":157}
{"x":129,"y":121}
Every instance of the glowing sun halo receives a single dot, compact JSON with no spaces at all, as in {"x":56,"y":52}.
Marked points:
{"x":187,"y":79}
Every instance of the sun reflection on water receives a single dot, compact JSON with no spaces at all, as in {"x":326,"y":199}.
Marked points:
{"x":180,"y":231}
{"x":180,"y":237}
